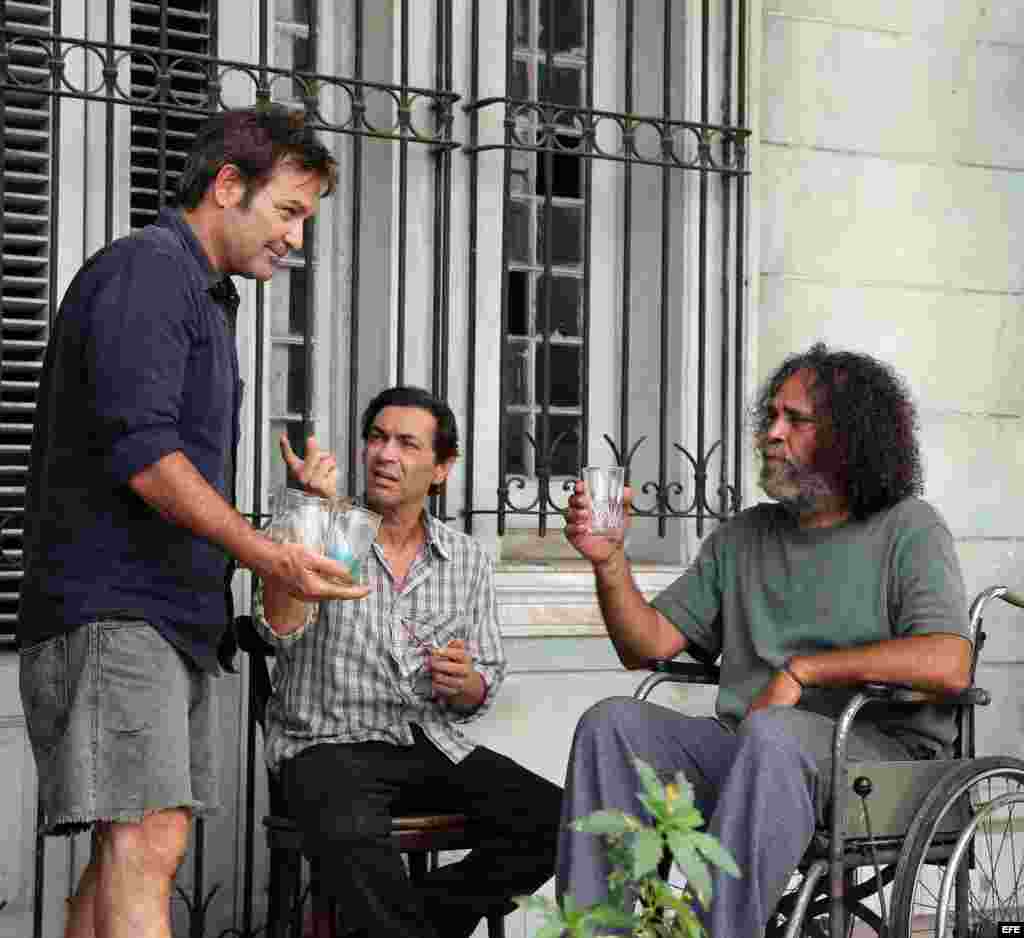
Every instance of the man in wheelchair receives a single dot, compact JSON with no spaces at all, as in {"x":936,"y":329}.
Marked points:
{"x":848,"y":577}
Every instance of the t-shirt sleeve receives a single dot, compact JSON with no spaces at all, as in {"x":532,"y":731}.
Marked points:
{"x":928,"y":593}
{"x":693,"y":603}
{"x":141,"y":334}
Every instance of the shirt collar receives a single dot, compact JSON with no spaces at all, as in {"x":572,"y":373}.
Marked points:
{"x":434,"y":532}
{"x":221,"y":287}
{"x":433,"y":526}
{"x":223,"y":292}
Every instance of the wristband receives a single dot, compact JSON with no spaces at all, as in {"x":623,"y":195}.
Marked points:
{"x":788,"y":670}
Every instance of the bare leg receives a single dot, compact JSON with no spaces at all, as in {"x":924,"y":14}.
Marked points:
{"x":132,"y":879}
{"x":82,"y":906}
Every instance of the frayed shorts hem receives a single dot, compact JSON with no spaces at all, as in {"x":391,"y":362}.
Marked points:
{"x":71,"y":824}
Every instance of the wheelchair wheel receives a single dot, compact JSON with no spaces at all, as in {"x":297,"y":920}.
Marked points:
{"x":989,"y":866}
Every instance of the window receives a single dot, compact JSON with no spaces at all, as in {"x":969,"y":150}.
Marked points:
{"x":620,"y":281}
{"x":546,"y":213}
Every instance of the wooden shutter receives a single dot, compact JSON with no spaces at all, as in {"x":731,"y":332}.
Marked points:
{"x":25,"y":128}
{"x":167,"y":134}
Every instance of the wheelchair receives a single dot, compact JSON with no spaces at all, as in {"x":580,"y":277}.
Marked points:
{"x":913,"y":848}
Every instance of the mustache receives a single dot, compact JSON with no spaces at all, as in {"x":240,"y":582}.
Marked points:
{"x":767,"y":454}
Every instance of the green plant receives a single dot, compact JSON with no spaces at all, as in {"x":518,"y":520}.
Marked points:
{"x":635,"y":851}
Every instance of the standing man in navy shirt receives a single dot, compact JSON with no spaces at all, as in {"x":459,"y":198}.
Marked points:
{"x":129,"y":525}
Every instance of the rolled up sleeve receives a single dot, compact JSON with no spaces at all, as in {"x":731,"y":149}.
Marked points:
{"x":266,"y":631}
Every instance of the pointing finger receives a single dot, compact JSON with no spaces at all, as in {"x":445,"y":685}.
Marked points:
{"x":288,"y":454}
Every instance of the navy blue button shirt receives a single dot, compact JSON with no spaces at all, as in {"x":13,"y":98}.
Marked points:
{"x":141,"y":363}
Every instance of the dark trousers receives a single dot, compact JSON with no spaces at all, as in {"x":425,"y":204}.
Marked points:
{"x":343,"y":798}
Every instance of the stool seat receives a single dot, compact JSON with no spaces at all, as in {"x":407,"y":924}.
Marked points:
{"x":428,"y":822}
{"x":430,"y":832}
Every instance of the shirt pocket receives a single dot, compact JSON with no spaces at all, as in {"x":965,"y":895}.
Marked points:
{"x":413,"y":637}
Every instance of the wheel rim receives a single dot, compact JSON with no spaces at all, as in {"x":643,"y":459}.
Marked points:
{"x":990,"y":886}
{"x":998,"y":859}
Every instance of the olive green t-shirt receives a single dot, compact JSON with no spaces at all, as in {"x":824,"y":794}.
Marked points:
{"x":762,"y":590}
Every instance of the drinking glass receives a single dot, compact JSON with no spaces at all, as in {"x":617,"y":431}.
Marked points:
{"x":351,"y":532}
{"x":605,"y":485}
{"x":299,"y":518}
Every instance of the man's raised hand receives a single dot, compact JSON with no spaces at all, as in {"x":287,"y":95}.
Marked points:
{"x":317,"y":473}
{"x":578,"y":520}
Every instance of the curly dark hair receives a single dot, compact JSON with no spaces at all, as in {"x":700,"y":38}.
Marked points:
{"x":868,"y":445}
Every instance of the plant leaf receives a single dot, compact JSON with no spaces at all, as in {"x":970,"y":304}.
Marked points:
{"x":537,"y":904}
{"x":694,"y":927}
{"x":652,"y":785}
{"x":692,"y":865}
{"x":647,"y":849}
{"x":657,"y":806}
{"x":551,"y":929}
{"x":716,"y":853}
{"x":606,"y":823}
{"x":610,"y":916}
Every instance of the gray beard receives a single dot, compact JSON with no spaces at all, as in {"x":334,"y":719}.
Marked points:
{"x":812,"y":489}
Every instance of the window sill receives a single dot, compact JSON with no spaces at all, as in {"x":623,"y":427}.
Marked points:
{"x":541,"y":602}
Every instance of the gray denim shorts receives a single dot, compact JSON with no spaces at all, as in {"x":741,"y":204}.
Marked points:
{"x":121,"y":725}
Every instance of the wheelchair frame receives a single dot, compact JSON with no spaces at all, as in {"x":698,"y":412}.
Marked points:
{"x":938,"y":796}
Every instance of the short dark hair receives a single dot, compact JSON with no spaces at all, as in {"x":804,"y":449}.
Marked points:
{"x":868,"y":445}
{"x":256,"y":140}
{"x":446,"y":432}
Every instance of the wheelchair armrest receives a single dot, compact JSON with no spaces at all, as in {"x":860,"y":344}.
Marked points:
{"x":901,"y":693}
{"x":685,"y":672}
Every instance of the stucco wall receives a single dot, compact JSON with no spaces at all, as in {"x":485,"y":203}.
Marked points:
{"x":891,"y":199}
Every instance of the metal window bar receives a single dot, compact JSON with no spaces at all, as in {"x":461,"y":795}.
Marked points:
{"x":716,"y":151}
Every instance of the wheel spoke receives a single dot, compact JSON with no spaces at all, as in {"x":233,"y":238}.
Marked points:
{"x":990,"y":869}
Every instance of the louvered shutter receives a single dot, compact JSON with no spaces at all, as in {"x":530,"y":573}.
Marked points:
{"x":25,"y":124}
{"x":168,"y":133}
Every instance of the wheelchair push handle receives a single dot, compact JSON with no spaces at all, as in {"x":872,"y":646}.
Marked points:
{"x":987,"y":595}
{"x":1014,"y":599}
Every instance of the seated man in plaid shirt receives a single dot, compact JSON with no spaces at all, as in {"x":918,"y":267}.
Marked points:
{"x":368,"y":697}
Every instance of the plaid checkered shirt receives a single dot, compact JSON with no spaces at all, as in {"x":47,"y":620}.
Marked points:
{"x":357,"y":672}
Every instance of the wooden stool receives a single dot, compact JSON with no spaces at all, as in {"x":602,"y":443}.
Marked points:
{"x":419,"y":837}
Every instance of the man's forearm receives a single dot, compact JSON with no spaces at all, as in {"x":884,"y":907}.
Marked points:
{"x":175,"y":488}
{"x":637,"y":630}
{"x":940,"y":662}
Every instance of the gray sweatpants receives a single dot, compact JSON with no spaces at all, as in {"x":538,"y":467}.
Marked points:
{"x":759,"y":788}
